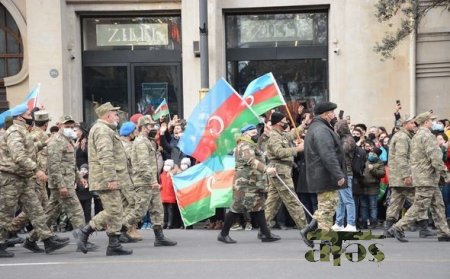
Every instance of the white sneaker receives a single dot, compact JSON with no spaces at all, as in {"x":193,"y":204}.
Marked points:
{"x":350,"y":228}
{"x":337,"y":228}
{"x":248,"y":227}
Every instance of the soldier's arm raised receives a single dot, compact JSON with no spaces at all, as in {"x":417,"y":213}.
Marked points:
{"x":16,"y":144}
{"x":104,"y":146}
{"x":54,"y":159}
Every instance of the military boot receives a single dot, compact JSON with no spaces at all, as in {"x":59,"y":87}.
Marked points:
{"x":3,"y":252}
{"x":115,"y":248}
{"x":83,"y":236}
{"x":265,"y":234}
{"x":32,"y":246}
{"x":125,"y":237}
{"x":14,"y":239}
{"x":387,"y":225}
{"x":399,"y":235}
{"x":423,"y":229}
{"x":160,"y":239}
{"x":312,"y":226}
{"x":133,"y":232}
{"x":444,"y":238}
{"x":53,"y":243}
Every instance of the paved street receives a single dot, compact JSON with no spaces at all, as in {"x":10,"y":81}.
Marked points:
{"x":199,"y":255}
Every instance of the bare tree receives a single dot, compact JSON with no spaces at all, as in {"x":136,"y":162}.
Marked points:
{"x":411,"y":12}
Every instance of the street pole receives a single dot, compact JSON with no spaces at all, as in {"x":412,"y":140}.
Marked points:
{"x":204,"y":58}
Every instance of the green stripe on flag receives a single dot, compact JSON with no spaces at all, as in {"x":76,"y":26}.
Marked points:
{"x":160,"y":114}
{"x":197,"y":212}
{"x":267,"y":105}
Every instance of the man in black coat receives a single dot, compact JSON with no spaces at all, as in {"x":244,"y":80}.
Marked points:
{"x":325,"y":167}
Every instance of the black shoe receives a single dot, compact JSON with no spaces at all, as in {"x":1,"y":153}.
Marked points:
{"x":225,"y":239}
{"x":271,"y":238}
{"x":445,"y":238}
{"x":423,"y":229}
{"x":125,"y":237}
{"x":160,"y":239}
{"x":115,"y":248}
{"x":32,"y":246}
{"x":52,"y":244}
{"x":91,"y":247}
{"x":387,"y":225}
{"x":399,"y":235}
{"x":14,"y":239}
{"x":82,"y":236}
{"x":304,"y":233}
{"x":4,"y":253}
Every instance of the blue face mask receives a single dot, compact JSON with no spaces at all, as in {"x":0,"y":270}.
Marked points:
{"x":437,"y":126}
{"x":372,"y":157}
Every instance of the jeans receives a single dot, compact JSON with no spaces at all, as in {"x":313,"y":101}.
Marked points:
{"x":446,"y":198}
{"x":369,"y":203}
{"x":346,"y":203}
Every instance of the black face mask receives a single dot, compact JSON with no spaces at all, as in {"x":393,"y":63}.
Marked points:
{"x":356,"y":138}
{"x":333,"y":122}
{"x":285,"y":126}
{"x":28,"y":121}
{"x":255,"y":138}
{"x":152,"y":133}
{"x":372,"y":136}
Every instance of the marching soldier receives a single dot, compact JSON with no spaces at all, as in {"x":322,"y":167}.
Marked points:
{"x":108,"y":173}
{"x":281,"y":156}
{"x":249,"y":186}
{"x":426,"y":168}
{"x":145,"y":178}
{"x":17,"y":167}
{"x":400,"y":178}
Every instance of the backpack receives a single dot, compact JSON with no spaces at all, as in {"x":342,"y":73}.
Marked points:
{"x":359,"y":162}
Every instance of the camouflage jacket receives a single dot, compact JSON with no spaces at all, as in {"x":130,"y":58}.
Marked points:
{"x":249,"y":175}
{"x":426,"y":159}
{"x":128,"y":146}
{"x":62,"y":168}
{"x":107,"y":158}
{"x":399,"y":158}
{"x":17,"y":151}
{"x":143,"y":161}
{"x":39,"y":138}
{"x":280,"y":152}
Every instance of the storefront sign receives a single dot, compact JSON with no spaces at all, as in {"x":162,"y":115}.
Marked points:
{"x":271,"y":30}
{"x":150,"y":34}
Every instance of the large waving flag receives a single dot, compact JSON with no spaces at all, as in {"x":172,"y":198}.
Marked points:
{"x":263,"y":94}
{"x":203,"y":187}
{"x":161,"y":110}
{"x":215,"y":122}
{"x":33,"y":97}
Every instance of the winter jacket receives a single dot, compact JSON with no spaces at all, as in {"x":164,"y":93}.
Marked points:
{"x":167,"y":191}
{"x":371,"y":179}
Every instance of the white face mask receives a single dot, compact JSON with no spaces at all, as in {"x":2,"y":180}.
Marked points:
{"x":167,"y":168}
{"x":70,"y":133}
{"x":183,"y":167}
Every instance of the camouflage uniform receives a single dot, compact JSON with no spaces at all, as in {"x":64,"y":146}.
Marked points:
{"x":281,"y":156}
{"x":17,"y":167}
{"x":426,"y":168}
{"x":250,"y":182}
{"x":39,"y":138}
{"x":62,"y":174}
{"x":399,"y":169}
{"x":107,"y":162}
{"x":129,"y":191}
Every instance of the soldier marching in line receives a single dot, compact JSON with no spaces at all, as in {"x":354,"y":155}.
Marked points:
{"x":400,"y":178}
{"x":426,"y":168}
{"x":280,"y":155}
{"x":249,"y":186}
{"x":18,"y":164}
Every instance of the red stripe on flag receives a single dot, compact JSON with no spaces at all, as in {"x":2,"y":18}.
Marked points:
{"x":220,"y":180}
{"x":162,"y":108}
{"x":226,"y":113}
{"x":265,"y":94}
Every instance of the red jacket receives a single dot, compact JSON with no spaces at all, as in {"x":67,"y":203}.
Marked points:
{"x":167,"y":192}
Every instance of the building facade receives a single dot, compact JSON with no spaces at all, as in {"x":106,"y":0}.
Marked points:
{"x":135,"y":53}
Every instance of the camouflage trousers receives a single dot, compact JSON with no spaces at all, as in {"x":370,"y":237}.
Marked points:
{"x":399,"y":195}
{"x":425,"y":198}
{"x":15,"y":191}
{"x":141,"y":203}
{"x":111,"y":217}
{"x":131,"y":208}
{"x":22,"y":219}
{"x":326,"y":206}
{"x":69,"y":205}
{"x":244,"y":202}
{"x":155,"y":208}
{"x":279,"y":193}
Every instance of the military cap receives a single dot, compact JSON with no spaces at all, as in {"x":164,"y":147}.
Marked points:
{"x":324,"y":107}
{"x":103,"y":109}
{"x":19,"y":110}
{"x":41,"y":116}
{"x":276,"y":117}
{"x":424,"y":116}
{"x":127,"y":128}
{"x":247,"y":128}
{"x":65,"y":119}
{"x":145,"y":120}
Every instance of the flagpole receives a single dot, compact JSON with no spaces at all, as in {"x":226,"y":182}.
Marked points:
{"x":287,"y":109}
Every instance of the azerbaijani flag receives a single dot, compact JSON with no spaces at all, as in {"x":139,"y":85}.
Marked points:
{"x":32,"y":99}
{"x":263,"y":94}
{"x":203,"y":187}
{"x":161,"y":110}
{"x":215,"y":123}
